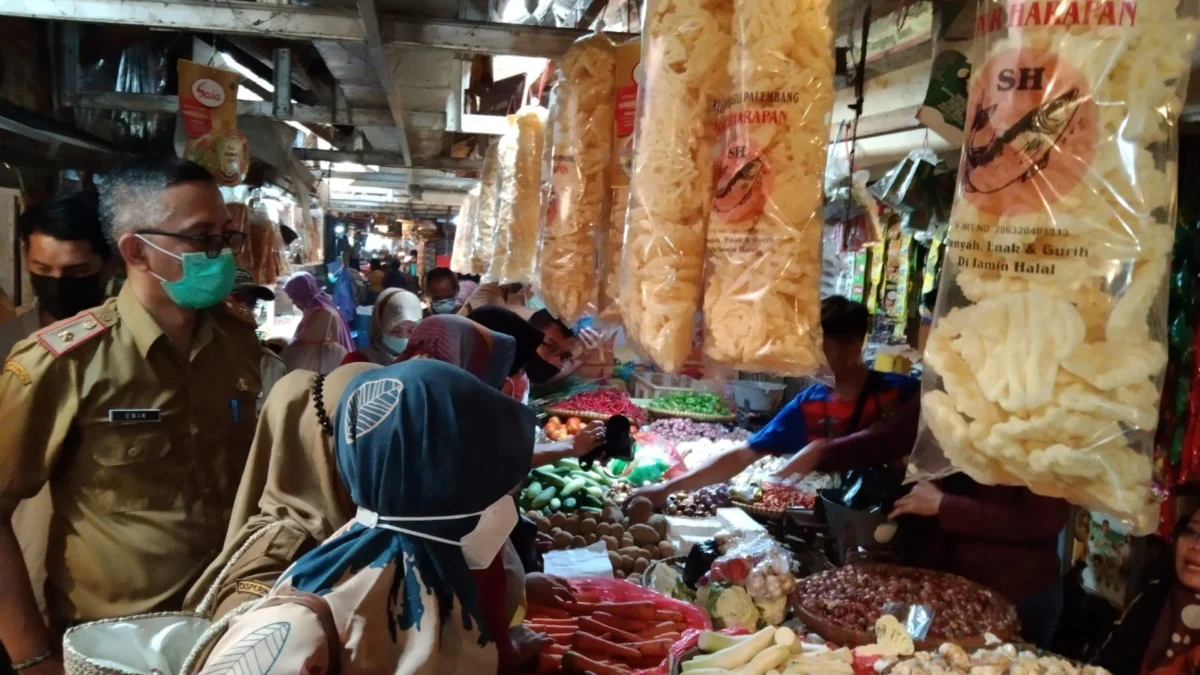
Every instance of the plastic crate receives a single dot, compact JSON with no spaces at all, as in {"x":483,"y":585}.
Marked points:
{"x":653,"y":385}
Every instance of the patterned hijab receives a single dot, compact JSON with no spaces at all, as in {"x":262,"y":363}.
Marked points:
{"x":393,"y":308}
{"x":403,"y":451}
{"x":446,"y":337}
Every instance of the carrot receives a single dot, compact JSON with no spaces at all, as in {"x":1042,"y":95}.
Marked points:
{"x":543,"y":610}
{"x":660,"y":629}
{"x":578,"y":664}
{"x":595,"y":627}
{"x":643,"y":611}
{"x":538,"y":623}
{"x":548,"y":663}
{"x":582,"y":640}
{"x":561,"y":638}
{"x":555,"y":649}
{"x":656,"y":648}
{"x":624,"y":623}
{"x":664,"y":615}
{"x":577,"y":608}
{"x":570,"y":621}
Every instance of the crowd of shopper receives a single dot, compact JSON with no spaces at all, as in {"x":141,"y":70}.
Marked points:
{"x":158,"y":456}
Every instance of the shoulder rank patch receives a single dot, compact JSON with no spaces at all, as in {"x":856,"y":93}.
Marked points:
{"x":253,"y":588}
{"x":18,"y":370}
{"x":60,"y":338}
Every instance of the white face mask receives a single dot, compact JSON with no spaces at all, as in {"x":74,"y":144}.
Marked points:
{"x":479,"y":546}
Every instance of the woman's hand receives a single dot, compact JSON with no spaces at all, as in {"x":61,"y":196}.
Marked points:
{"x":527,"y":643}
{"x":547,"y":590}
{"x":923,"y":500}
{"x":588,"y":439}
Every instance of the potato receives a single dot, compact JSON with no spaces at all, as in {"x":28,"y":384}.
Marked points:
{"x":554,"y":531}
{"x":558,"y":520}
{"x":633,"y":551}
{"x":578,"y":541}
{"x":617,"y":530}
{"x":627,"y":540}
{"x":639,"y":510}
{"x":627,"y":563}
{"x":543,"y":524}
{"x":620,"y":574}
{"x":572,"y":525}
{"x":615,"y":559}
{"x":562,"y":540}
{"x":611,"y":543}
{"x":659,"y":523}
{"x":666,"y":549}
{"x":533,"y":514}
{"x":590,"y":538}
{"x":634,"y":579}
{"x":644,"y":535}
{"x":588,"y":526}
{"x":641,"y":565}
{"x":603,"y":529}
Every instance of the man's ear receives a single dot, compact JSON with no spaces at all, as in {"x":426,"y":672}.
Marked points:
{"x":133,"y":252}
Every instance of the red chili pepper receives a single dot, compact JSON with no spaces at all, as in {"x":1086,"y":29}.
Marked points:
{"x":604,"y":402}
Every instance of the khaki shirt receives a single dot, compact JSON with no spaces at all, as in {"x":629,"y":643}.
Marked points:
{"x":143,"y":449}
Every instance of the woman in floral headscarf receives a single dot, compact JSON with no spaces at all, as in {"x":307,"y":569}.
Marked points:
{"x":393,"y":591}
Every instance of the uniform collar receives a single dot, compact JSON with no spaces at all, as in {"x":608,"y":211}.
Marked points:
{"x":145,"y":329}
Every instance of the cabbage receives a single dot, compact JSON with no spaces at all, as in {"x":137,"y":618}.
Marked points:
{"x":772,"y":611}
{"x":667,"y":580}
{"x":730,"y":606}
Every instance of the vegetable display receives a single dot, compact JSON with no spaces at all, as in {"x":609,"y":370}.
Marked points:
{"x":853,"y":598}
{"x":694,"y":402}
{"x":748,"y":584}
{"x":1044,"y":362}
{"x":951,"y":659}
{"x":770,"y":650}
{"x":702,"y":503}
{"x":565,"y":486}
{"x":603,"y":638}
{"x":678,"y":430}
{"x":603,"y":402}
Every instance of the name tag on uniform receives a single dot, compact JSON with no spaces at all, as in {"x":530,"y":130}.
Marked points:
{"x":135,"y":415}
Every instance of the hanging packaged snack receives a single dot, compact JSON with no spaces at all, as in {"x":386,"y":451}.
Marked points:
{"x":1044,"y":363}
{"x":208,"y":106}
{"x":762,"y":304}
{"x":514,"y":253}
{"x":484,"y":217}
{"x":685,"y":51}
{"x":580,"y":164}
{"x":628,"y":61}
{"x":464,"y":233}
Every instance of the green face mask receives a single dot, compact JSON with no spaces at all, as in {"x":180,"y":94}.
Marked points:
{"x":205,"y":281}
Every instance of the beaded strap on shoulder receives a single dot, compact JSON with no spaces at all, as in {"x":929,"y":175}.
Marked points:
{"x":318,"y":395}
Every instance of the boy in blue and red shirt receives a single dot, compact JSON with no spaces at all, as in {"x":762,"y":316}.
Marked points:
{"x":858,"y":398}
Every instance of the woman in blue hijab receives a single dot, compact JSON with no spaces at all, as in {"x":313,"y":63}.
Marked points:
{"x":392,"y":592}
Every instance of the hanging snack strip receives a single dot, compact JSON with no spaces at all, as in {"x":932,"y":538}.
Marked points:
{"x":485,"y":213}
{"x":685,"y":52}
{"x":579,"y":172}
{"x":514,"y":255}
{"x":762,"y":305}
{"x":464,"y":233}
{"x":1045,"y":359}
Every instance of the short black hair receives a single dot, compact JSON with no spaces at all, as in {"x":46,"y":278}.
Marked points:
{"x":130,"y":194}
{"x":67,"y":216}
{"x":843,"y":318}
{"x":543,"y":319}
{"x":440,"y":273}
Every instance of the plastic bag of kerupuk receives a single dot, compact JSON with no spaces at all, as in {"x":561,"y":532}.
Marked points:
{"x":1044,"y":364}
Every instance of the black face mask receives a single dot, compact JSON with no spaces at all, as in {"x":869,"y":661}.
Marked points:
{"x":539,"y":370}
{"x":63,"y":297}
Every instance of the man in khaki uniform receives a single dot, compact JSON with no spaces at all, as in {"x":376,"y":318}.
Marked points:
{"x":138,"y":413}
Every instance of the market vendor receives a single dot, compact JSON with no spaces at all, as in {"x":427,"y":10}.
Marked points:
{"x":820,"y":413}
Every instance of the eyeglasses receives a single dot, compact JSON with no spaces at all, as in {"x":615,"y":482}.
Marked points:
{"x":213,"y":244}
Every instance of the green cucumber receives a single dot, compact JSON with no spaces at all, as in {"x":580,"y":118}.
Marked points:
{"x":596,"y":492}
{"x":555,"y":504}
{"x":590,"y":509}
{"x":573,"y":486}
{"x":544,"y":498}
{"x":570,"y":504}
{"x":548,"y":477}
{"x":588,"y":500}
{"x":568,"y":463}
{"x":533,"y":490}
{"x":601,"y":478}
